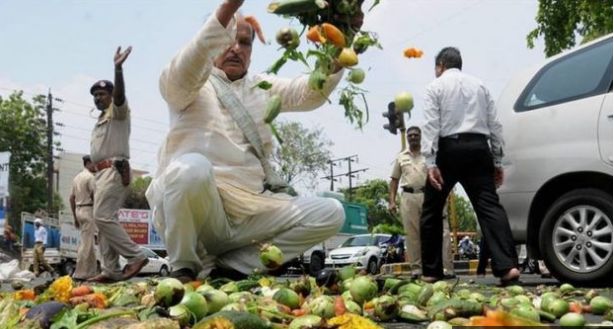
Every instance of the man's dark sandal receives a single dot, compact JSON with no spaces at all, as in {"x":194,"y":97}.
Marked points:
{"x":184,"y":275}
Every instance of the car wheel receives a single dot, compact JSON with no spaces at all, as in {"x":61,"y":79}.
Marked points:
{"x":316,"y":263}
{"x":164,"y":271}
{"x":372,"y":266}
{"x":576,"y":237}
{"x":68,"y":268}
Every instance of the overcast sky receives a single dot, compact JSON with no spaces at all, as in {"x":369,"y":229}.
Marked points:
{"x":67,"y":45}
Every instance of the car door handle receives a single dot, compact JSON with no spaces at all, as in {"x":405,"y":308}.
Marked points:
{"x":610,"y":116}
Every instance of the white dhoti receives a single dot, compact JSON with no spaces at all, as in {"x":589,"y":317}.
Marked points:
{"x":190,"y":214}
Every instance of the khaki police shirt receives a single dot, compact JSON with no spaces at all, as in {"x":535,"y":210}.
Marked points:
{"x":83,"y":187}
{"x":410,"y":170}
{"x":111,"y":134}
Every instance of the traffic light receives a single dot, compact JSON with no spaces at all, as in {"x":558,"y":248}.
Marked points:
{"x":395,"y":119}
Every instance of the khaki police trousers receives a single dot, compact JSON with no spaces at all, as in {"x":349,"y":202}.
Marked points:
{"x":39,"y":259}
{"x":112,"y":238}
{"x":86,"y":252}
{"x":411,"y":210}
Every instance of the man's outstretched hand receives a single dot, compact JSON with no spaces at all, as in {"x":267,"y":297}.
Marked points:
{"x":120,"y":57}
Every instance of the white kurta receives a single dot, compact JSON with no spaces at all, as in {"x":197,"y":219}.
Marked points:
{"x":202,"y":132}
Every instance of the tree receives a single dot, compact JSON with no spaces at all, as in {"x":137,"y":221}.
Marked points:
{"x":23,"y":133}
{"x":559,"y":21}
{"x":303,"y":154}
{"x":466,"y":219}
{"x":136,"y":197}
{"x":374,"y":195}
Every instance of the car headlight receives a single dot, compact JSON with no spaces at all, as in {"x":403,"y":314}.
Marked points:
{"x":361,"y":253}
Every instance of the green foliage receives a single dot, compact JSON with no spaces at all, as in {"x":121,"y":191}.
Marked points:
{"x":136,"y":197}
{"x":559,"y":21}
{"x":465,"y":215}
{"x":395,"y":228}
{"x":23,"y":133}
{"x":303,"y":155}
{"x":373,"y":195}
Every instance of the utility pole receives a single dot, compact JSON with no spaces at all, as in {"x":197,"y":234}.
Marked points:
{"x":350,"y":173}
{"x":49,"y":153}
{"x":50,"y":133}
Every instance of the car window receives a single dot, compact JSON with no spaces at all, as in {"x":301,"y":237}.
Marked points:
{"x":584,"y":73}
{"x":150,"y":253}
{"x":359,"y":241}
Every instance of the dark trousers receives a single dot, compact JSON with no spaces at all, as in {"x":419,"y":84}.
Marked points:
{"x":466,"y":160}
{"x":483,"y":257}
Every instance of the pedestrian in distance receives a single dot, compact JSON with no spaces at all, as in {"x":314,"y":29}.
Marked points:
{"x":40,"y":245}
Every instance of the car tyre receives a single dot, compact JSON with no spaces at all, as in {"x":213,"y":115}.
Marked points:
{"x":164,"y":271}
{"x":316,"y":263}
{"x":570,"y":249}
{"x":372,"y":266}
{"x":68,"y":268}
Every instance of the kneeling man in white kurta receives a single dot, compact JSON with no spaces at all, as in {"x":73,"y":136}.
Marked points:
{"x":212,"y":196}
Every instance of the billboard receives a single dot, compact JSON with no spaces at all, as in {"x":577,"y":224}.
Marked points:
{"x":4,"y":174}
{"x":138,"y":224}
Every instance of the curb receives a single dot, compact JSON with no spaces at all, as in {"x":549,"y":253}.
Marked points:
{"x":461,"y":267}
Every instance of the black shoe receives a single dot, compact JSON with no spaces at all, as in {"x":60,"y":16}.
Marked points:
{"x":449,"y":276}
{"x":184,"y":275}
{"x":227,"y":273}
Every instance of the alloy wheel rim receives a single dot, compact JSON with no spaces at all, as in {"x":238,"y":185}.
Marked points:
{"x":582,"y":238}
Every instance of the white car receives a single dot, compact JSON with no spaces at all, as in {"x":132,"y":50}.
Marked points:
{"x":361,"y":250}
{"x":156,"y":264}
{"x":557,"y":192}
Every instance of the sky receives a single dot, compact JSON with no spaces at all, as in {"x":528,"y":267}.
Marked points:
{"x":66,"y":45}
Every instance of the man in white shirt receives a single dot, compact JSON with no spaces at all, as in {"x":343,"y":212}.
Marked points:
{"x":210,"y":197}
{"x":461,"y":120}
{"x":40,"y":243}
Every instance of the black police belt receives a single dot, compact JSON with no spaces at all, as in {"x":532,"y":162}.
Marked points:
{"x":408,"y":189}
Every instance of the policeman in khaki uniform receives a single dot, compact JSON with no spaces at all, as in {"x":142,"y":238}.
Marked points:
{"x":110,"y":153}
{"x":81,"y":204}
{"x":409,"y":172}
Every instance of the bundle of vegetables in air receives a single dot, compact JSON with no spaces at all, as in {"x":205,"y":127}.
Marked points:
{"x":332,"y":28}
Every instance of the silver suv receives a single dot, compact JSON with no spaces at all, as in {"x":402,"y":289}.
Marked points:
{"x":557,"y":121}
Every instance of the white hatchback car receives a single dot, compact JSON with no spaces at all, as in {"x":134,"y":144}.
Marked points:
{"x":361,"y":250}
{"x":557,"y":123}
{"x":156,"y":264}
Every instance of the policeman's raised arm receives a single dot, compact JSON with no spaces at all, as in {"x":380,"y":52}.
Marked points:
{"x":119,"y":91}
